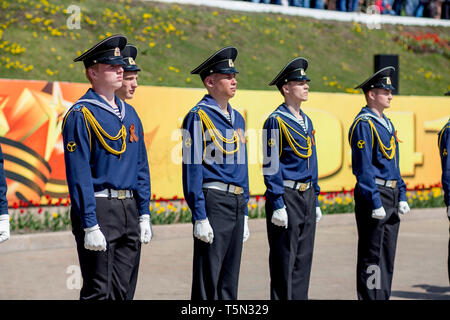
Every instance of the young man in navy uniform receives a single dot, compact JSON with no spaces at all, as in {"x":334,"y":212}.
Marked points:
{"x":215,"y":180}
{"x":130,"y":73}
{"x":291,"y":178}
{"x":380,"y":192}
{"x":4,"y":216}
{"x":444,"y":149}
{"x":126,"y":92}
{"x":108,"y":176}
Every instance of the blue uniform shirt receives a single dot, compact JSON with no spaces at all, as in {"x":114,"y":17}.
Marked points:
{"x":444,"y":149}
{"x":288,"y":165}
{"x":3,"y":187}
{"x":90,"y":167}
{"x":368,"y":159}
{"x":204,"y":161}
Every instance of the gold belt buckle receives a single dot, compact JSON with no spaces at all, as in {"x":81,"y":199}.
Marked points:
{"x":237,"y":190}
{"x":121,"y":194}
{"x":393,"y":184}
{"x":303,"y":187}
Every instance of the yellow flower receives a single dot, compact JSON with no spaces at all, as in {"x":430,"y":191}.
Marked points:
{"x":55,"y":215}
{"x":185,"y":208}
{"x":254,"y":206}
{"x":157,"y":205}
{"x":188,"y":80}
{"x":168,"y":45}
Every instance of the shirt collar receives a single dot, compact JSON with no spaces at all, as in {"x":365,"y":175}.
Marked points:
{"x":210,"y":102}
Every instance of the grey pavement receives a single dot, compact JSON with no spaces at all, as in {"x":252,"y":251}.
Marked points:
{"x":44,"y":266}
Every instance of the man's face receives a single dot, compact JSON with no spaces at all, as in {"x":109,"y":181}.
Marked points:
{"x":129,"y":85}
{"x":381,"y":97}
{"x":108,"y":75}
{"x":297,"y":90}
{"x":223,"y":84}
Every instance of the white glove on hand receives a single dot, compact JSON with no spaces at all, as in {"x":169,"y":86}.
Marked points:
{"x":280,"y":217}
{"x":448,"y":211}
{"x":145,"y":225}
{"x":203,"y":231}
{"x":246,"y":230}
{"x":4,"y":227}
{"x":318,"y":214}
{"x":94,"y":239}
{"x":379,"y":213}
{"x":403,"y":207}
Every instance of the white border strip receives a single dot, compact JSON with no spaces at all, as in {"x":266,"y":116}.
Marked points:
{"x":369,"y":19}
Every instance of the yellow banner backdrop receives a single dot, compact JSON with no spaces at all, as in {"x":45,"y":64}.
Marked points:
{"x":31,"y":114}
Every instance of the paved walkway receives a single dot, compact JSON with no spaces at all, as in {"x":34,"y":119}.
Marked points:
{"x":36,"y":266}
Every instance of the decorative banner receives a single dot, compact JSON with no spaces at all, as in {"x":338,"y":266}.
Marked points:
{"x":30,"y":134}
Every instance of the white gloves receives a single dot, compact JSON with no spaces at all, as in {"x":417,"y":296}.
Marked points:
{"x":94,"y":239}
{"x":280,"y":218}
{"x":403,"y":207}
{"x":379,"y":213}
{"x":203,"y":230}
{"x":4,"y":227}
{"x":318,"y":214}
{"x":146,"y":228}
{"x":246,"y":230}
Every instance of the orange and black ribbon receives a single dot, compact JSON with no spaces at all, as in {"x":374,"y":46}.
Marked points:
{"x":133,"y":136}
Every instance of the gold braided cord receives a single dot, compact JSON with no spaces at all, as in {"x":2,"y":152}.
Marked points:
{"x":216,"y":135}
{"x":283,"y":126}
{"x":100,"y":132}
{"x":440,"y":136}
{"x":383,"y":148}
{"x":351,"y":134}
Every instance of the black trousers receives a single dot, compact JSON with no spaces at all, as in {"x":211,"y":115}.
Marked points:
{"x":291,"y":249}
{"x":216,"y":266}
{"x":448,"y":259}
{"x":377,"y":242}
{"x":109,"y":274}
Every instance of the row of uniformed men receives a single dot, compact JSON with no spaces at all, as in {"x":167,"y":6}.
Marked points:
{"x":109,"y":181}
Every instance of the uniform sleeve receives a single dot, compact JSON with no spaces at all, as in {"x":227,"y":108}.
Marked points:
{"x":361,"y":144}
{"x":315,"y":175}
{"x":192,"y":165}
{"x":143,"y":175}
{"x":444,"y":149}
{"x":401,"y":185}
{"x":78,"y":171}
{"x":273,"y":176}
{"x":3,"y":187}
{"x":246,"y":183}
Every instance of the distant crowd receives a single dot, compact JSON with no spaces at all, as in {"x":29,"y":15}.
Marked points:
{"x":437,"y":9}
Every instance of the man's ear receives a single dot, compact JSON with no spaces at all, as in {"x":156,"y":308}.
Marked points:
{"x":284,"y":89}
{"x":370,"y":95}
{"x":209,"y":81}
{"x":92,"y":73}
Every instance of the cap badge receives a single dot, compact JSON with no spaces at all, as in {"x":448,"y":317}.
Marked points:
{"x":131,"y":61}
{"x":230,"y":63}
{"x":302,"y":72}
{"x":116,"y":52}
{"x":388,"y":80}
